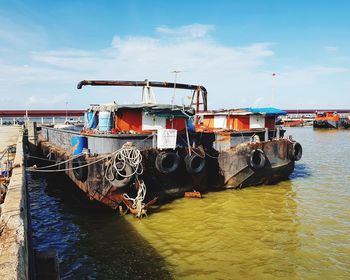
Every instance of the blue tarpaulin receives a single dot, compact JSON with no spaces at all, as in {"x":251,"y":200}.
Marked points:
{"x":269,"y":111}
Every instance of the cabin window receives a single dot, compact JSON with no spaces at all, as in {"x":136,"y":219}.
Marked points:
{"x":152,"y":122}
{"x":257,"y":121}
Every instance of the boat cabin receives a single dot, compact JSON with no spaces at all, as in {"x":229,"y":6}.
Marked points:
{"x":136,"y":118}
{"x":238,"y":119}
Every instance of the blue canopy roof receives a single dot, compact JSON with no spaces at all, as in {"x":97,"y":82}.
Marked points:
{"x":268,"y":111}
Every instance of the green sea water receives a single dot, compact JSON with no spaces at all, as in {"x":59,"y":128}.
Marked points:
{"x":296,"y":229}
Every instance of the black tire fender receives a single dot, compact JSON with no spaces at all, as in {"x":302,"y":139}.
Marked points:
{"x":167,"y":162}
{"x":256,"y":159}
{"x":121,"y":181}
{"x":81,"y":173}
{"x":295,"y":151}
{"x":194,"y":163}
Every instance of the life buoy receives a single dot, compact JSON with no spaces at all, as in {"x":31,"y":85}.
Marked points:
{"x":295,"y":151}
{"x":256,"y":159}
{"x":123,"y":176}
{"x":194,"y":163}
{"x":81,"y":173}
{"x":167,"y":162}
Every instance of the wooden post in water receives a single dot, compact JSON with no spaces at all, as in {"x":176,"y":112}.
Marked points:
{"x":32,"y":133}
{"x":46,"y":265}
{"x":32,"y":137}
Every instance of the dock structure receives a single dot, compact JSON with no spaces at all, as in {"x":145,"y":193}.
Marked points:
{"x":14,"y":259}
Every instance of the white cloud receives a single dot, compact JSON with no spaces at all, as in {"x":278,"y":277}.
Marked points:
{"x":258,"y":101}
{"x":307,"y":75}
{"x":49,"y":100}
{"x":235,"y":76}
{"x":193,"y":30}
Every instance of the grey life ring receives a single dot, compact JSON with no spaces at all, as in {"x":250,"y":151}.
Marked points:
{"x":167,"y":162}
{"x":256,"y":159}
{"x":295,"y":151}
{"x":124,"y":176}
{"x":194,"y":163}
{"x":81,"y":173}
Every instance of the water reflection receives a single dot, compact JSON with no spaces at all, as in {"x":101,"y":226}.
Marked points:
{"x":301,"y":170}
{"x":222,"y":235}
{"x":92,"y":241}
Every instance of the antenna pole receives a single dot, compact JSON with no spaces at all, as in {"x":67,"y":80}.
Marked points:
{"x":175,"y":80}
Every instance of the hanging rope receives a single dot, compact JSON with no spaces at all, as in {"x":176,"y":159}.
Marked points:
{"x":136,"y":205}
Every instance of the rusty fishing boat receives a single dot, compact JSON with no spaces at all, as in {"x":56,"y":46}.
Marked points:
{"x":168,"y":149}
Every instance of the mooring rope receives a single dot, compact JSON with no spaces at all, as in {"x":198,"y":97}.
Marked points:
{"x":38,"y":169}
{"x":137,"y":202}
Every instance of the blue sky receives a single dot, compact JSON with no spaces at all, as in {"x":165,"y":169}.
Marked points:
{"x":231,"y":47}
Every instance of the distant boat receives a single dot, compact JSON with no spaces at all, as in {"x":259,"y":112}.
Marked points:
{"x":293,"y":123}
{"x":330,"y":120}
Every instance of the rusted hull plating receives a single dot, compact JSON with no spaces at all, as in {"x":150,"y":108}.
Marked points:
{"x":228,"y":168}
{"x":233,"y":165}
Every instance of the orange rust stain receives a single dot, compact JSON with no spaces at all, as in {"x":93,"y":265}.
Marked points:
{"x":223,"y":137}
{"x":193,"y":194}
{"x":208,"y":122}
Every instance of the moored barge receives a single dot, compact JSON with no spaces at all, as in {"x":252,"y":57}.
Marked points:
{"x":250,"y":148}
{"x":330,"y":120}
{"x":168,"y":149}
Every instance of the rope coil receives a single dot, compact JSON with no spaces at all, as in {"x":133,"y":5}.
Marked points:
{"x":128,"y":155}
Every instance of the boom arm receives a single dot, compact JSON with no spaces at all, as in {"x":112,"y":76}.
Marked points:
{"x":197,"y":89}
